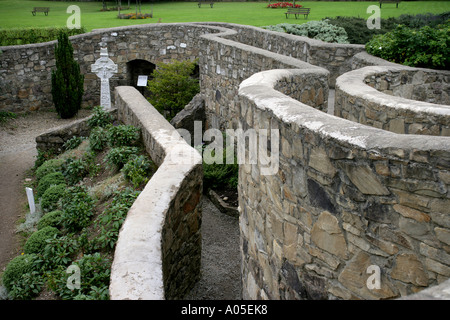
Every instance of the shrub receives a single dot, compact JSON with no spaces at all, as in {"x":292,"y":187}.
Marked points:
{"x":137,"y":170}
{"x":77,"y":207}
{"x":356,"y":28}
{"x":95,"y":271}
{"x":73,"y":142}
{"x":43,"y":156}
{"x":59,"y":251}
{"x":320,"y":30}
{"x":5,"y":115}
{"x":51,"y":196}
{"x":110,"y":221}
{"x":27,"y":286}
{"x":120,"y":155}
{"x":99,"y":118}
{"x":67,"y":81}
{"x":49,"y":166}
{"x":122,"y":135}
{"x":50,"y":219}
{"x":74,"y":170}
{"x":173,"y":87}
{"x":37,"y":241}
{"x":17,"y":267}
{"x":216,"y":175}
{"x":427,"y":47}
{"x":17,"y":36}
{"x":98,"y":138}
{"x":48,"y":180}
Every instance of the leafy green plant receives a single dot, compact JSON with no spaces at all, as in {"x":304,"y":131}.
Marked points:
{"x":73,"y":142}
{"x":110,"y":221}
{"x":59,"y":251}
{"x":217,"y":175}
{"x":122,"y":135}
{"x":17,"y":36}
{"x":48,"y":180}
{"x":98,"y":138}
{"x":50,"y":219}
{"x":320,"y":30}
{"x":77,"y":207}
{"x":96,"y":273}
{"x":120,"y":155}
{"x":74,"y":170}
{"x":6,"y":115}
{"x":137,"y":170}
{"x":67,"y":80}
{"x":426,"y":47}
{"x":17,"y":267}
{"x":28,"y":286}
{"x":43,"y":156}
{"x":100,"y":118}
{"x":37,"y":241}
{"x":173,"y":87}
{"x":51,"y":197}
{"x":49,"y":166}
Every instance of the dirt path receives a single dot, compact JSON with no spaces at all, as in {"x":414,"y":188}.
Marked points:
{"x":221,"y":263}
{"x":17,"y":156}
{"x":220,"y":233}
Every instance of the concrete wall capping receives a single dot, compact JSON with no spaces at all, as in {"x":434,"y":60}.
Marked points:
{"x":159,"y":243}
{"x":363,"y":187}
{"x":373,"y":96}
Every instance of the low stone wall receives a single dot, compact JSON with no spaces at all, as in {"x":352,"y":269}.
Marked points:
{"x":348,"y":199}
{"x":376,"y":96}
{"x":425,"y":85}
{"x":25,"y":70}
{"x":158,"y":252}
{"x":226,"y":63}
{"x":336,"y":58}
{"x":54,"y":139}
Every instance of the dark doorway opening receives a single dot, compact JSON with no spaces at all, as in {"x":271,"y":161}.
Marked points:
{"x":136,"y":68}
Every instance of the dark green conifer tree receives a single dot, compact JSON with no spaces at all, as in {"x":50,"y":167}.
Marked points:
{"x":67,"y":80}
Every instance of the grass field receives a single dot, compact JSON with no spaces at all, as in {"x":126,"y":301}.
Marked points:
{"x":17,"y":13}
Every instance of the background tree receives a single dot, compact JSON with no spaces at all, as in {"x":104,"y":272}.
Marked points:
{"x":67,"y":80}
{"x":172,"y":87}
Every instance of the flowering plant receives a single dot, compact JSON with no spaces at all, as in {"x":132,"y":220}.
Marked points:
{"x":134,"y":16}
{"x":283,"y":5}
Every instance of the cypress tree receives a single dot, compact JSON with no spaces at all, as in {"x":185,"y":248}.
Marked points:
{"x":67,"y":80}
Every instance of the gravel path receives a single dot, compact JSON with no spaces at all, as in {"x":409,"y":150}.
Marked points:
{"x":220,"y":244}
{"x":221,"y":263}
{"x":17,"y":156}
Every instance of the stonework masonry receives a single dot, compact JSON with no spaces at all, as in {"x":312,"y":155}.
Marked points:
{"x":350,"y":195}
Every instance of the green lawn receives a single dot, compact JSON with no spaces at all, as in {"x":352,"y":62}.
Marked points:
{"x":17,"y":13}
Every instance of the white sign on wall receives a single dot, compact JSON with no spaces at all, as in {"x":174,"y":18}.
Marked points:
{"x":142,"y":81}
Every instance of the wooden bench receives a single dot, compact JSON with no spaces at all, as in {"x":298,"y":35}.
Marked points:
{"x":297,"y":12}
{"x":211,"y":3}
{"x":45,"y":10}
{"x":390,"y":1}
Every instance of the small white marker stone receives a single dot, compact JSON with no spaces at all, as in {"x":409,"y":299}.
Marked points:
{"x":30,"y":200}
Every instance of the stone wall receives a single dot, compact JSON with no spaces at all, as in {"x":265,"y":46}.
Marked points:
{"x":25,"y":71}
{"x":336,"y":58}
{"x":380,"y":97}
{"x":158,"y":252}
{"x":54,"y":139}
{"x":225,"y":64}
{"x":346,"y":197}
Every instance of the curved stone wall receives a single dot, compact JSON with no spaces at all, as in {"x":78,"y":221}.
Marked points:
{"x":380,"y":96}
{"x":347,"y":199}
{"x":158,"y":252}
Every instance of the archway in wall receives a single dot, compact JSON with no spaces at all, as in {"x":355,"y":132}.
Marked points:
{"x":136,"y":68}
